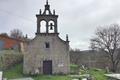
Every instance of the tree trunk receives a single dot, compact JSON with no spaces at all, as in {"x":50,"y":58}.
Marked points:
{"x":114,"y":67}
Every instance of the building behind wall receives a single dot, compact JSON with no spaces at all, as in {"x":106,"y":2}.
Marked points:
{"x":47,"y":53}
{"x":8,"y":43}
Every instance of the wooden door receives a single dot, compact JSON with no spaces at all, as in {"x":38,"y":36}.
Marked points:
{"x":47,"y":67}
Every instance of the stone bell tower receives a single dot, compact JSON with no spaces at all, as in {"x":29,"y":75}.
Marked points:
{"x":50,"y":19}
{"x":47,"y":53}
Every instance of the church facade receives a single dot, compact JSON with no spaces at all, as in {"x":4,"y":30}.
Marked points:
{"x":47,"y":53}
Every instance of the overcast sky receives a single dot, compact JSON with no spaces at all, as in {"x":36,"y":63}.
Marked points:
{"x":78,"y":18}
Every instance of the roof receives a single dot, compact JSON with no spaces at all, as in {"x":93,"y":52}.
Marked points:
{"x":9,"y":42}
{"x":7,"y":37}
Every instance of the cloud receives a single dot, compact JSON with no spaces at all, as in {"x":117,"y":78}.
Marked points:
{"x":78,"y":18}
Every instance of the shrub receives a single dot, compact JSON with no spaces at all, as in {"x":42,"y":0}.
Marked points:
{"x":9,"y":58}
{"x":74,"y":69}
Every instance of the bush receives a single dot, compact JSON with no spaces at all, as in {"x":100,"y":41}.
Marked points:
{"x":9,"y":58}
{"x":74,"y":69}
{"x":98,"y":74}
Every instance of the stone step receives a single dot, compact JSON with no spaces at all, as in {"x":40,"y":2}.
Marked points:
{"x":23,"y":79}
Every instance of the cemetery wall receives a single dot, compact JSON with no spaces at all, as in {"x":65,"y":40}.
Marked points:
{"x":90,"y":59}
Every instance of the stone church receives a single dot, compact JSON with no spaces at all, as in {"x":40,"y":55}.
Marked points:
{"x":47,"y":53}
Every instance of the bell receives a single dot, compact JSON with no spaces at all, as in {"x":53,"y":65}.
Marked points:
{"x":51,"y":28}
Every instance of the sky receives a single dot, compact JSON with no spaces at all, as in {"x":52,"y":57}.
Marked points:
{"x":77,"y":18}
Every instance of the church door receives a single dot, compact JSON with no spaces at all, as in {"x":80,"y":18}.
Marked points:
{"x":47,"y":67}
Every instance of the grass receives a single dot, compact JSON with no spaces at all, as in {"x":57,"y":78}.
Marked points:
{"x":74,"y":69}
{"x":98,"y":74}
{"x":16,"y":72}
{"x":53,"y":77}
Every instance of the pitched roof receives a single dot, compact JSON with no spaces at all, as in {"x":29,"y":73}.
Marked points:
{"x":9,"y":42}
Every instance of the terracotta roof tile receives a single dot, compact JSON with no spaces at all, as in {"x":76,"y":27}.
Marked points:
{"x":9,"y":42}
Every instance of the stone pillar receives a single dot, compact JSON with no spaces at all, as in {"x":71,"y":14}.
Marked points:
{"x":56,"y":30}
{"x":47,"y":27}
{"x":38,"y":26}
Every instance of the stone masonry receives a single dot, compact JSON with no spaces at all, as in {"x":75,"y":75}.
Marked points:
{"x":47,"y":53}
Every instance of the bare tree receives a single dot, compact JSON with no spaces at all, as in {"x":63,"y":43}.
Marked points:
{"x":4,"y":34}
{"x":16,"y":33}
{"x":107,"y":38}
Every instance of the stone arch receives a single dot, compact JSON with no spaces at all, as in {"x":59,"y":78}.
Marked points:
{"x":43,"y":26}
{"x":47,"y":12}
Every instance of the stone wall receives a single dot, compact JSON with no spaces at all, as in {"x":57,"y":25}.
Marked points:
{"x":9,"y":58}
{"x":91,"y":59}
{"x":36,"y":53}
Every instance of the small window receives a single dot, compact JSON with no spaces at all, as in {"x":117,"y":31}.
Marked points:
{"x":47,"y":45}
